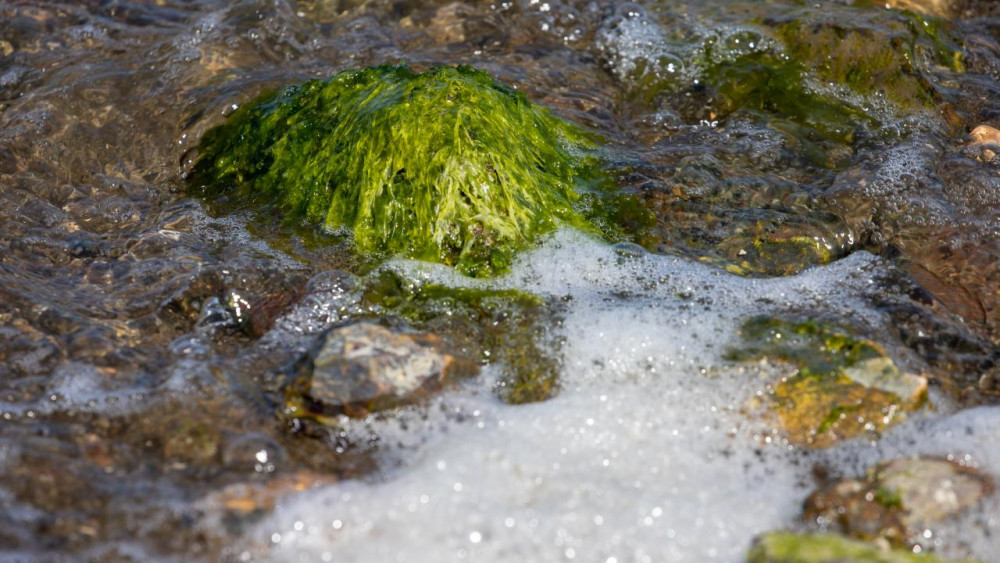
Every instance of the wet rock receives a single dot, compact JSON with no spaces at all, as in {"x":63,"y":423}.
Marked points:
{"x":506,"y":328}
{"x":448,"y":23}
{"x":984,"y":137}
{"x":897,"y":500}
{"x":748,"y":225}
{"x":786,"y":547}
{"x":763,"y":59}
{"x":361,"y":368}
{"x":931,"y":489}
{"x":843,"y":387}
{"x":247,"y":298}
{"x":940,"y":8}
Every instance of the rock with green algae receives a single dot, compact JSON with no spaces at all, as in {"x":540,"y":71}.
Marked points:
{"x":504,"y":327}
{"x":897,"y":500}
{"x":824,"y":69}
{"x":448,"y":165}
{"x":882,"y":52}
{"x":844,"y":386}
{"x":787,"y":547}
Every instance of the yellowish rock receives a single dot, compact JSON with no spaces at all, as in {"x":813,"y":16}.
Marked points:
{"x":842,"y":386}
{"x":940,"y":8}
{"x":986,"y":135}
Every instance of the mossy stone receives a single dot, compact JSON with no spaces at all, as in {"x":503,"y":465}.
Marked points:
{"x":844,"y":387}
{"x":504,"y":326}
{"x":787,"y":547}
{"x":448,"y":165}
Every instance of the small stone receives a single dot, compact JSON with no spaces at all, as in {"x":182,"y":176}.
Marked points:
{"x":361,"y":368}
{"x":897,"y":500}
{"x":844,"y":386}
{"x":882,"y":374}
{"x":931,"y":489}
{"x":986,"y":135}
{"x":448,"y":23}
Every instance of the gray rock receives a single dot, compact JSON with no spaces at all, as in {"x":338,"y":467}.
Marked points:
{"x":361,"y":368}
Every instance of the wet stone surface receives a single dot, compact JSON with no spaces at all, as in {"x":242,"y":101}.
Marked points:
{"x":842,"y":387}
{"x":362,"y":368}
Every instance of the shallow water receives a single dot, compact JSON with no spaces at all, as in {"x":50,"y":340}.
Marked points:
{"x":139,"y":410}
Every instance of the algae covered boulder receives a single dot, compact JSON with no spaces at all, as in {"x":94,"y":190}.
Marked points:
{"x":786,"y":547}
{"x":448,"y":165}
{"x":844,"y":386}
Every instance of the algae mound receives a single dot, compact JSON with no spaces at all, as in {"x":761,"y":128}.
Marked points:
{"x":447,"y":165}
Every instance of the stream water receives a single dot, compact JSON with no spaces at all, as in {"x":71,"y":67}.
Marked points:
{"x":138,"y":417}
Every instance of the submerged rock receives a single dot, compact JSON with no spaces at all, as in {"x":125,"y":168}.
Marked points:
{"x":844,"y":386}
{"x":781,"y":62}
{"x":897,"y":500}
{"x":361,"y":368}
{"x":448,"y":165}
{"x":940,"y":8}
{"x":786,"y":547}
{"x":985,"y":137}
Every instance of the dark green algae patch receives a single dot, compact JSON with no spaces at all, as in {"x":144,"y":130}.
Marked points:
{"x":826,"y":84}
{"x":448,"y":165}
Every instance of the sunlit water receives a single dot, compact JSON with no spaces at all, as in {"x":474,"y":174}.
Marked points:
{"x":130,"y":407}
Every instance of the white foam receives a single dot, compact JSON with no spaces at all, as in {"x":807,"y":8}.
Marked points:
{"x":647,"y":454}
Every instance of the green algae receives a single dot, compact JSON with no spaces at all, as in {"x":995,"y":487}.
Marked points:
{"x":772,"y":85}
{"x":822,"y":69}
{"x":888,"y":498}
{"x":447,"y":165}
{"x":877,"y":52}
{"x":787,"y":547}
{"x":844,"y":386}
{"x":816,"y":348}
{"x":502,"y":327}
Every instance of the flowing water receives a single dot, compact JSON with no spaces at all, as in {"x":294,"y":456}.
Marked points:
{"x":138,"y":405}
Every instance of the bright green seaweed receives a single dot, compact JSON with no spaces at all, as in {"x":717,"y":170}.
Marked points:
{"x":447,"y":165}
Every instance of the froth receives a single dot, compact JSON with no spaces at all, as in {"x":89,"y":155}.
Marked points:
{"x":647,"y":454}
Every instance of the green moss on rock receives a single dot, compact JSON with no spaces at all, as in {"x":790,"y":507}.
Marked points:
{"x":879,"y":51}
{"x":844,"y":387}
{"x":447,"y":165}
{"x":493,"y":326}
{"x":787,"y":547}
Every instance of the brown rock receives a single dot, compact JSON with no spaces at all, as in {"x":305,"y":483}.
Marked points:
{"x":986,"y":135}
{"x":897,"y":500}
